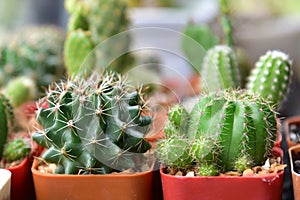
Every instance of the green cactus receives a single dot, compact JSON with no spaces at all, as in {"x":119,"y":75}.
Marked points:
{"x":37,"y":53}
{"x":19,"y":90}
{"x":101,"y":19}
{"x":271,"y":77}
{"x":228,"y":130}
{"x":220,"y":70}
{"x":6,"y":116}
{"x":93,"y":126}
{"x":17,"y":149}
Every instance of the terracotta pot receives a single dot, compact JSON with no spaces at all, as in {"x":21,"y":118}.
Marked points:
{"x":21,"y":180}
{"x":291,"y":138}
{"x":111,"y":186}
{"x":293,"y":155}
{"x":5,"y":182}
{"x":223,"y":187}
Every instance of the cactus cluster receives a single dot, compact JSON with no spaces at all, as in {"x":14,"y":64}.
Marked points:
{"x":228,"y":130}
{"x":93,"y":126}
{"x":92,"y":22}
{"x":16,"y":149}
{"x":36,"y":53}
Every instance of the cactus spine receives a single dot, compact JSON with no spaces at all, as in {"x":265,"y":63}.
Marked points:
{"x":271,"y":77}
{"x":220,"y":69}
{"x":93,"y":126}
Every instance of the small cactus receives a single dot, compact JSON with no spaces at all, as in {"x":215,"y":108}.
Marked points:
{"x":271,"y":77}
{"x":17,"y":149}
{"x":93,"y":126}
{"x":220,"y":70}
{"x":6,"y":119}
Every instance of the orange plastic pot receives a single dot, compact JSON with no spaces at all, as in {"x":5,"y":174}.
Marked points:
{"x":293,"y":155}
{"x":287,"y":128}
{"x":267,"y":187}
{"x":21,"y":181}
{"x":112,"y":186}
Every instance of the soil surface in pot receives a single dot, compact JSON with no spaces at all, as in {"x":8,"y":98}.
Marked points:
{"x":272,"y":166}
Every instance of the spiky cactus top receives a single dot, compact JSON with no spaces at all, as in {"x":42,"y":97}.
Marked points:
{"x":227,"y":131}
{"x":271,"y":76}
{"x":91,"y":23}
{"x":220,"y":69}
{"x":93,"y":126}
{"x":37,"y":52}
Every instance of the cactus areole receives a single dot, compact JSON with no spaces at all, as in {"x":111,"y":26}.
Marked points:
{"x":93,"y":126}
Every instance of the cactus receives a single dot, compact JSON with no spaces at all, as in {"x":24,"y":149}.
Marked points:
{"x":93,"y":126}
{"x":228,"y":130}
{"x":271,"y":77}
{"x":6,"y":116}
{"x":100,"y":20}
{"x":19,"y":90}
{"x":220,"y":69}
{"x":17,"y":149}
{"x":36,"y":53}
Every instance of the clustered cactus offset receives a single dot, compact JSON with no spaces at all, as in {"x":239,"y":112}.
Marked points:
{"x":93,"y":126}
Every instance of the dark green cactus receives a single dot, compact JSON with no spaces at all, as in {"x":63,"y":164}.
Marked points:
{"x":227,"y":131}
{"x":17,"y":149}
{"x":271,"y":77}
{"x":93,"y":126}
{"x":37,"y":52}
{"x":220,"y":70}
{"x":100,"y":19}
{"x":6,"y":119}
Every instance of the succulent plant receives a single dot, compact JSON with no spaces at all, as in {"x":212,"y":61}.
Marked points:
{"x":36,"y":53}
{"x":220,"y":69}
{"x":228,"y":130}
{"x":16,"y":149}
{"x":93,"y":126}
{"x":98,"y":20}
{"x":6,"y":116}
{"x":271,"y":77}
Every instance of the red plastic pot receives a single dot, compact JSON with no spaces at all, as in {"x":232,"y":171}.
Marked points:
{"x":266,"y":187}
{"x":21,"y":181}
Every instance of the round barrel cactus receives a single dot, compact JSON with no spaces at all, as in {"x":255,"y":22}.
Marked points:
{"x":93,"y":126}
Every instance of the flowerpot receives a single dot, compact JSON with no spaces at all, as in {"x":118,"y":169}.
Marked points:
{"x":292,"y":130}
{"x":5,"y":184}
{"x":111,"y":186}
{"x":265,"y":187}
{"x":293,"y":156}
{"x":21,"y":180}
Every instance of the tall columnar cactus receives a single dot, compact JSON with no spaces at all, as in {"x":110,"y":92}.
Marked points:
{"x":93,"y":126}
{"x":220,"y":69}
{"x":6,"y":119}
{"x":229,"y":130}
{"x":271,"y":77}
{"x":99,"y":20}
{"x":36,"y":52}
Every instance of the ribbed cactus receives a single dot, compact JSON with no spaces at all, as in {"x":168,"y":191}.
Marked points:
{"x":220,"y":69}
{"x":6,"y":119}
{"x":271,"y":77}
{"x":36,"y":52}
{"x":16,"y":149}
{"x":99,"y":20}
{"x":93,"y":126}
{"x":229,"y":130}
